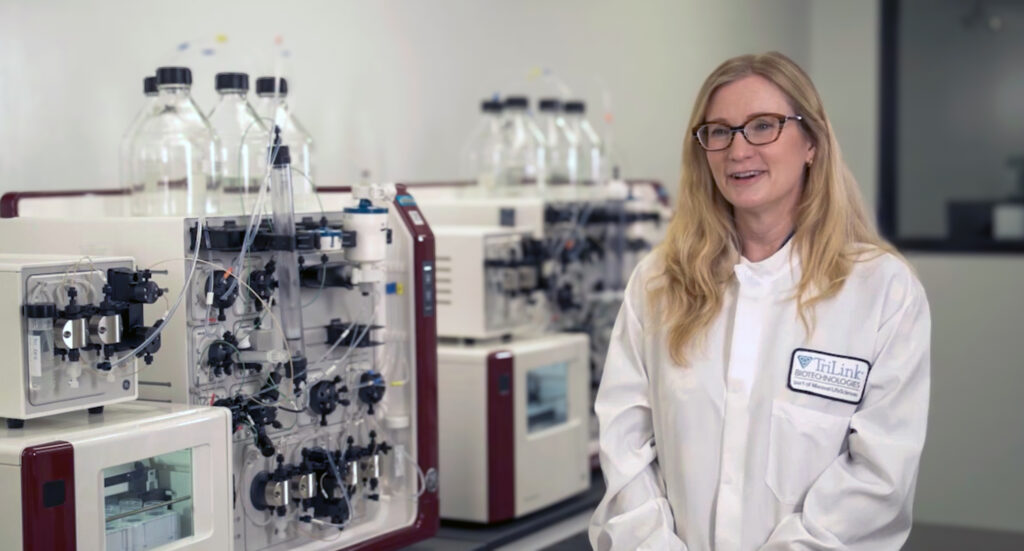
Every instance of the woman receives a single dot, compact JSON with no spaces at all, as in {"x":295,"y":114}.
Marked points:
{"x":767,"y":383}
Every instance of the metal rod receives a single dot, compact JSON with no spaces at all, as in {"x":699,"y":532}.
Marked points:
{"x":150,"y":508}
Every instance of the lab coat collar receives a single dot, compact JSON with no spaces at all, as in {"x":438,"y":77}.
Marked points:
{"x":780,"y":271}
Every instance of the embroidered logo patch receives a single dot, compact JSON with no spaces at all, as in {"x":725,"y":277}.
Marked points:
{"x":831,"y":376}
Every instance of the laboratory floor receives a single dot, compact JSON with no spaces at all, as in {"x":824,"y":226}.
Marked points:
{"x":563,"y":527}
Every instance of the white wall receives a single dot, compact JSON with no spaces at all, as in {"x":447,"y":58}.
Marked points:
{"x":393,"y":86}
{"x":971,"y":469}
{"x":844,"y":53}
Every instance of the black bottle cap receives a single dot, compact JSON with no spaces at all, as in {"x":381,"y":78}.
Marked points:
{"x":517,"y":102}
{"x":149,"y":86}
{"x":490,"y":106}
{"x":279,"y":155}
{"x":575,"y":107}
{"x":265,"y":85}
{"x":550,"y":104}
{"x":231,"y":81}
{"x":42,"y":310}
{"x":173,"y":75}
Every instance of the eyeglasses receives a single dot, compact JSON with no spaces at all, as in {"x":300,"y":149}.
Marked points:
{"x":761,"y":129}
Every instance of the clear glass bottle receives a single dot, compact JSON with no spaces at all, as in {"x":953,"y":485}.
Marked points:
{"x":558,"y":140}
{"x":242,"y":157}
{"x":484,"y":151}
{"x":525,"y":145}
{"x":130,"y":184}
{"x":615,"y":164}
{"x":588,"y":153}
{"x":273,"y":109}
{"x":175,"y":152}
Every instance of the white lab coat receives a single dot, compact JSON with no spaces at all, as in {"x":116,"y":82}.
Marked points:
{"x":722,"y":455}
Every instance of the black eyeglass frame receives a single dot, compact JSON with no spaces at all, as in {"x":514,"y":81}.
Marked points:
{"x":742,"y":129}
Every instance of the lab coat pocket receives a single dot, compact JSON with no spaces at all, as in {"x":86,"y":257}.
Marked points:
{"x":802,"y":443}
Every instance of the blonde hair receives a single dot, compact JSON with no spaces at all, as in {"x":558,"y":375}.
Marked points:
{"x":833,"y":228}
